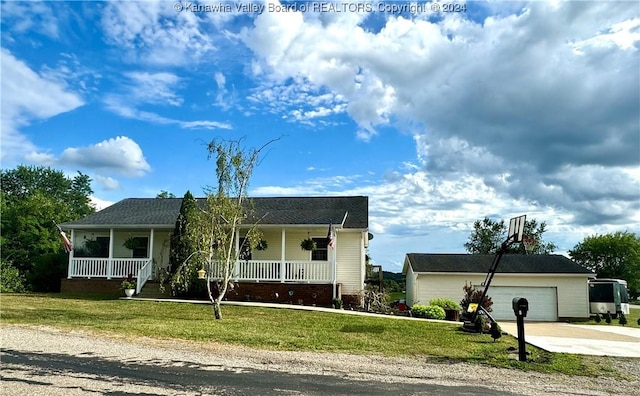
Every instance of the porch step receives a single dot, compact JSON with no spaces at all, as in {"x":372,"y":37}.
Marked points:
{"x":152,"y":290}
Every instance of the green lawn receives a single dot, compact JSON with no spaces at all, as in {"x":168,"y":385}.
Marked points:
{"x":632,"y":320}
{"x":283,"y":329}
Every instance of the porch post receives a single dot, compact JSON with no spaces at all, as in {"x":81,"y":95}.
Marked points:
{"x":73,"y":242}
{"x":283,"y":251}
{"x":333,"y":266}
{"x":110,"y":261}
{"x":151,"y":237}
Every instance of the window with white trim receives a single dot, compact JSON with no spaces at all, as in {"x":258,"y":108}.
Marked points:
{"x":322,"y":252}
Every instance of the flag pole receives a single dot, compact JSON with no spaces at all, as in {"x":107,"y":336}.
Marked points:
{"x":68,"y":246}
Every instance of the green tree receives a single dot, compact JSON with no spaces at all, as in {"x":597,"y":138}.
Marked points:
{"x":32,"y":198}
{"x":165,"y":194}
{"x":182,"y":247}
{"x":488,"y":235}
{"x":223,"y":215}
{"x":614,"y":255}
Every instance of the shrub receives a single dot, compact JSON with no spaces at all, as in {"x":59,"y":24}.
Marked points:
{"x":480,"y":323}
{"x":428,"y":312}
{"x":48,"y":269}
{"x":607,"y":317}
{"x":445,"y":303}
{"x":10,"y":279}
{"x":496,"y":331}
{"x":597,"y":318}
{"x":622,"y":319}
{"x":472,"y":295}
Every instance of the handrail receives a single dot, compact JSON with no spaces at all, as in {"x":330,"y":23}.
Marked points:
{"x":144,"y":273}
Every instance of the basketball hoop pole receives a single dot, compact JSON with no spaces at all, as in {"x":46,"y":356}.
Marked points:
{"x":516,"y":228}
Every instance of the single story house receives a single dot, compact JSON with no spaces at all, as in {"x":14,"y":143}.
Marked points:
{"x":283,"y":272}
{"x":555,"y":286}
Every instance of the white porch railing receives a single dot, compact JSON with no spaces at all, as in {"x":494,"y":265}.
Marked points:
{"x":91,"y":267}
{"x":252,"y":270}
{"x":144,"y":274}
{"x":268,"y":270}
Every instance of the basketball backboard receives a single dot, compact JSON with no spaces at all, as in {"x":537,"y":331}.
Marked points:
{"x":516,"y":229}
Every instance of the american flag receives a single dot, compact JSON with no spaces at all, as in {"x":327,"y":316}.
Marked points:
{"x":330,"y":237}
{"x":67,"y":243}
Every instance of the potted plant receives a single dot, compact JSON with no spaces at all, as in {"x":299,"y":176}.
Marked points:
{"x":308,"y":244}
{"x":262,"y":245}
{"x":131,"y":243}
{"x":337,"y":303}
{"x":129,"y":286}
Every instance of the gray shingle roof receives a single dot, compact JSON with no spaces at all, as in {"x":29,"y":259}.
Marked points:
{"x":480,"y":263}
{"x":278,"y":210}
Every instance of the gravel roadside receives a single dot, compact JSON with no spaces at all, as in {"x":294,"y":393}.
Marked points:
{"x":25,"y":379}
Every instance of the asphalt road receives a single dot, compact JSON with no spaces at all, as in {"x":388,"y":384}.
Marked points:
{"x":40,"y":373}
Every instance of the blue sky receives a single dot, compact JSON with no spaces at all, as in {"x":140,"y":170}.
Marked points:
{"x":504,"y":109}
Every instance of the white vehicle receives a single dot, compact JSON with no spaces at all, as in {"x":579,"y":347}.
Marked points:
{"x":608,"y":295}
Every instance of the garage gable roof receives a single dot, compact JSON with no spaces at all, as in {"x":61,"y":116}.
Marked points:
{"x":354,"y":210}
{"x":480,"y":263}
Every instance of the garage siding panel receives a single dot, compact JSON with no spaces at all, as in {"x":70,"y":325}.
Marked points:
{"x":543,"y":302}
{"x":572,"y":291}
{"x":446,"y":286}
{"x":410,"y":286}
{"x":350,"y":261}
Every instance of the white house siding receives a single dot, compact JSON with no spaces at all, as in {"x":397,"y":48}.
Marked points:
{"x":274,"y":246}
{"x":293,"y":239}
{"x":572,"y":290}
{"x":350,"y":261}
{"x":160,"y":250}
{"x":410,"y":287}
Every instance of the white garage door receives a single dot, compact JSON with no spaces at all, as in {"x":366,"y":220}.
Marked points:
{"x":543,"y":302}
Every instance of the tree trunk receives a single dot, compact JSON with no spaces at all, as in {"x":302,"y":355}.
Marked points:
{"x":216,"y":309}
{"x":215,"y":302}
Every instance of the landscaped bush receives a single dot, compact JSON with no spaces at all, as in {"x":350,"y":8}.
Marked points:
{"x":428,"y":312}
{"x":622,"y":319}
{"x":48,"y":269}
{"x":445,"y":303}
{"x":10,"y":279}
{"x":472,"y":295}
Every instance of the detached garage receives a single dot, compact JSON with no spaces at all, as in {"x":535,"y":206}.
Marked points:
{"x":555,"y":286}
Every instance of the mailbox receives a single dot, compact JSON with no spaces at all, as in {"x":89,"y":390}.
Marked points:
{"x":520,"y":306}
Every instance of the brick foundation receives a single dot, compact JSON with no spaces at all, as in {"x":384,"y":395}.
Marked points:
{"x":285,"y":293}
{"x":305,"y":294}
{"x":106,"y":286}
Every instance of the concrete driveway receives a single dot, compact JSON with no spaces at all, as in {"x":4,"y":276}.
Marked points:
{"x":600,"y":340}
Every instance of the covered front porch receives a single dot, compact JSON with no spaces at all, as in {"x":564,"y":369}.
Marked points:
{"x":283,"y":261}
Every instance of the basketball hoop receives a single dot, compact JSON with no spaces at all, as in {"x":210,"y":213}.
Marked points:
{"x":516,"y":229}
{"x":530,"y":244}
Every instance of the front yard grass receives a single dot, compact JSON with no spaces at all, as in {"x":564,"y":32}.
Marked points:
{"x":283,"y":329}
{"x":632,"y":320}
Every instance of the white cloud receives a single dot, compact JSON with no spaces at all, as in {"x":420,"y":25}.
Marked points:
{"x":518,"y":107}
{"x":154,"y":88}
{"x":98,"y":203}
{"x":32,"y":16}
{"x":151,"y":32}
{"x":108,"y":183}
{"x":204,"y":125}
{"x":27,"y":97}
{"x":144,"y":89}
{"x":120,"y":155}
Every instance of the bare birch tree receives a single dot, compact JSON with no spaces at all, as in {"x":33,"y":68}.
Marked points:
{"x":223,"y":216}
